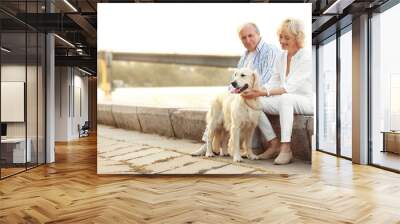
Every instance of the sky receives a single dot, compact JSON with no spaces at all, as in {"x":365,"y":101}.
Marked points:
{"x":191,"y":28}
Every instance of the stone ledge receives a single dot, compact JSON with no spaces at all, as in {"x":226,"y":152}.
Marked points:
{"x":126,"y":117}
{"x":105,"y":115}
{"x":156,"y":120}
{"x":190,"y":124}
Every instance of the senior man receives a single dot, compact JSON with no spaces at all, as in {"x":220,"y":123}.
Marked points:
{"x":258,"y":56}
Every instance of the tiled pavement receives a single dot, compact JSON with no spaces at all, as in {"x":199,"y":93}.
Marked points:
{"x":122,"y":151}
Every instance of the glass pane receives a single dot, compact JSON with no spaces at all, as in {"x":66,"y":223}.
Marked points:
{"x":346,"y":94}
{"x":327,"y":97}
{"x":13,"y":71}
{"x":22,"y":79}
{"x":41,"y":98}
{"x":31,"y":86}
{"x":31,"y":101}
{"x":386,"y":89}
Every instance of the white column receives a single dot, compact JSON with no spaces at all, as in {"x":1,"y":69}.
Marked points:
{"x":50,"y":99}
{"x":360,"y":90}
{"x":50,"y":92}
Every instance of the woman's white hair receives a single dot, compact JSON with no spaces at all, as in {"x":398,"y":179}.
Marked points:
{"x":295,"y":27}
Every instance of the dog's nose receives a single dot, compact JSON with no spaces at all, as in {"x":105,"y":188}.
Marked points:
{"x":234,"y":84}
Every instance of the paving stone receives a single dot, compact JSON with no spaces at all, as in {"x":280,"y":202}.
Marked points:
{"x":107,"y":167}
{"x":198,"y":167}
{"x":114,"y":147}
{"x":146,"y":160}
{"x":102,"y":141}
{"x":123,"y":153}
{"x":132,"y":154}
{"x":230,"y":169}
{"x":148,"y":153}
{"x":258,"y":172}
{"x":144,"y":152}
{"x":173,"y":163}
{"x":190,"y":124}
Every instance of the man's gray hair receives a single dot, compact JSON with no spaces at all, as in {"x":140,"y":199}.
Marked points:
{"x":249,"y":24}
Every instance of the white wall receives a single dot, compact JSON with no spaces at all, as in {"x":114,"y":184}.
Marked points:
{"x":13,"y":73}
{"x":69,"y":85}
{"x":62,"y":81}
{"x":12,"y":101}
{"x":80,"y":98}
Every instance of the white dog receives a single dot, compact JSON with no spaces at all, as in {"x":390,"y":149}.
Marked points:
{"x":231,"y":114}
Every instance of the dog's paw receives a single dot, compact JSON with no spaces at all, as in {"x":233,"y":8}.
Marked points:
{"x":222,"y":153}
{"x":237,"y":159}
{"x":198,"y":153}
{"x":252,"y":157}
{"x":209,"y":154}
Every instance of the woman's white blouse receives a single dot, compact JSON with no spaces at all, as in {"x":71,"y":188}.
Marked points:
{"x":298,"y":81}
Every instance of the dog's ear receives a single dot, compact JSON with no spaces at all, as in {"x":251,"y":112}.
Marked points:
{"x":256,"y":81}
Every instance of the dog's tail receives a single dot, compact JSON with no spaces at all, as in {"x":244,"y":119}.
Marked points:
{"x":216,"y":107}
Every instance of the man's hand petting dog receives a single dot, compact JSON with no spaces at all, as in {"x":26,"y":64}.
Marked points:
{"x":250,"y":93}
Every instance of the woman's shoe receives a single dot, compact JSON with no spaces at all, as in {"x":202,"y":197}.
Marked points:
{"x":269,"y":153}
{"x":284,"y":158}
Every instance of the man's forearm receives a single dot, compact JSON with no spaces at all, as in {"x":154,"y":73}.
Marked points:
{"x":277,"y":91}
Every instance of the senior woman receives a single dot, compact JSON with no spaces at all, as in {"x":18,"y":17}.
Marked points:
{"x":288,"y":92}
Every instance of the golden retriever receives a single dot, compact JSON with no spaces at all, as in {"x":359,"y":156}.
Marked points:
{"x":231,"y":114}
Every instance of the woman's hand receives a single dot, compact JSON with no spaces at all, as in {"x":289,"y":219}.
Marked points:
{"x":251,"y":94}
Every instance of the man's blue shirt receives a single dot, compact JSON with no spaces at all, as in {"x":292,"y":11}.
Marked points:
{"x":263,"y":61}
